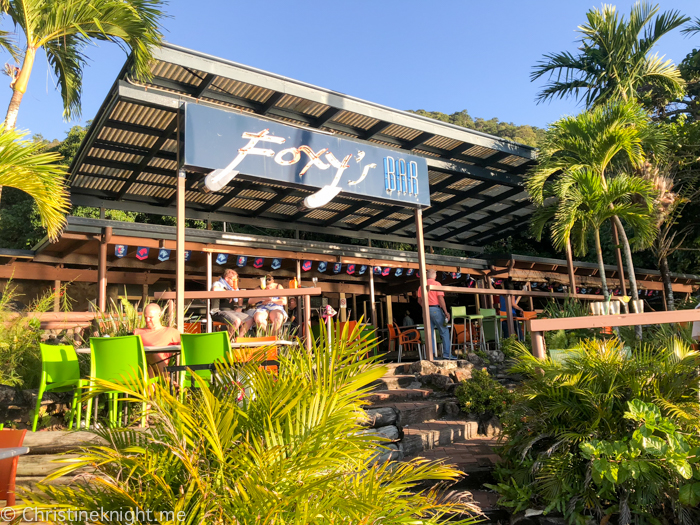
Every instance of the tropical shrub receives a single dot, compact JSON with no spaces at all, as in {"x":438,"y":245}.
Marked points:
{"x":291,"y":451}
{"x":482,"y":395}
{"x":20,"y":335}
{"x":610,"y":433}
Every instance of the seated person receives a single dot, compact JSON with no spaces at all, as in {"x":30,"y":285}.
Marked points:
{"x":230,"y":311}
{"x":269,"y":308}
{"x":155,"y":334}
{"x":407,"y":321}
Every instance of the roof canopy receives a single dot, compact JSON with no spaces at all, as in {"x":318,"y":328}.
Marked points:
{"x":129,"y":158}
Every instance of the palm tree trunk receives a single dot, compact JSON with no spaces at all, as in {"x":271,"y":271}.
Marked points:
{"x":668,"y":288}
{"x":634,"y":293}
{"x":601,"y":264}
{"x":19,"y":87}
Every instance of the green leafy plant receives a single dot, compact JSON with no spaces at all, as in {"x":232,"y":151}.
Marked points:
{"x":482,"y":395}
{"x":20,"y":335}
{"x":656,"y":450}
{"x":291,"y":451}
{"x":617,"y":406}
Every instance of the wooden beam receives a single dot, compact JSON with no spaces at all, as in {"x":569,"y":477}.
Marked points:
{"x":245,"y":294}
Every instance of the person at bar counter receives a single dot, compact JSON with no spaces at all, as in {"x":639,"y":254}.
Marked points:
{"x":155,"y":334}
{"x":438,"y":315}
{"x":270,"y":309}
{"x":230,"y":311}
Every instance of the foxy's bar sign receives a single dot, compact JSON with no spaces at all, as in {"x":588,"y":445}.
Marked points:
{"x":227,"y":144}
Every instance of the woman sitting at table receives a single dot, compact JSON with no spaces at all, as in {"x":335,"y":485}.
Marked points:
{"x":155,"y":334}
{"x":269,"y":308}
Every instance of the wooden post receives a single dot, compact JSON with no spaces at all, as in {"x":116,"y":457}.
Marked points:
{"x":299,"y":305}
{"x":354,"y":307}
{"x":180,"y":250}
{"x":570,"y":268}
{"x":427,"y":330}
{"x":538,"y":349}
{"x":57,"y":295}
{"x":307,"y":322}
{"x":621,"y":269}
{"x":364,"y":310}
{"x":489,"y":285}
{"x":210,"y":283}
{"x":343,"y":309}
{"x":532,"y":304}
{"x":389,"y":309}
{"x":371,"y":297}
{"x":144,"y":295}
{"x":382,"y":324}
{"x":102,"y":269}
{"x":509,"y":315}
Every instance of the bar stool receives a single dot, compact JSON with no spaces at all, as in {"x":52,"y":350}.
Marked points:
{"x":494,"y":320}
{"x":459,"y":312}
{"x":479,"y":318}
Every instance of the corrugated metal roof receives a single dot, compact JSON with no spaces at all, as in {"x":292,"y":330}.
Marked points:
{"x":118,"y":160}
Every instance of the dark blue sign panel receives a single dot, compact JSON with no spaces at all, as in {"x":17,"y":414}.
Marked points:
{"x":230,"y":143}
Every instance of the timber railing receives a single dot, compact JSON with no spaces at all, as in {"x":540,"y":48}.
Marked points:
{"x":538,"y":327}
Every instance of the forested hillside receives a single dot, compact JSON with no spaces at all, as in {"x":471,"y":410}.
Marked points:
{"x":528,"y":135}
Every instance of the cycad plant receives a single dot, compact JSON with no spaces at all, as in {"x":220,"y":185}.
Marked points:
{"x":290,"y":450}
{"x":572,"y":424}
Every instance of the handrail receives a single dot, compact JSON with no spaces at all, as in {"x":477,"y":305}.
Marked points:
{"x":538,"y":327}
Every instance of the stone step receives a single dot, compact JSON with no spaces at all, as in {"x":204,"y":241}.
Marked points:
{"x":422,"y":438}
{"x":384,"y":397}
{"x":415,"y":413}
{"x":394,"y":382}
{"x":398,"y":368}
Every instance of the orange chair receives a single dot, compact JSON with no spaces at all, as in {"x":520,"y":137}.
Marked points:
{"x":408,"y":338}
{"x":193,"y":328}
{"x":8,"y":467}
{"x":245,"y":353}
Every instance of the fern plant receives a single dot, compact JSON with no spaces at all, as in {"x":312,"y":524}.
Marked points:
{"x":290,"y":451}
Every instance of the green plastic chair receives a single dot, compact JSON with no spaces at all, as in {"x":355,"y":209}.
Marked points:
{"x":490,"y":324}
{"x":202,"y":349}
{"x":60,"y":372}
{"x":459,"y":312}
{"x":117,"y":359}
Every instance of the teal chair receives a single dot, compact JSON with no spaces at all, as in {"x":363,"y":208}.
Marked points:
{"x":202,"y":349}
{"x":117,"y":359}
{"x":60,"y":372}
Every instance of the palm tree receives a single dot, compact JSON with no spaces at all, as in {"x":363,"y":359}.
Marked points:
{"x":289,"y":448}
{"x":583,"y":201}
{"x":23,"y":166}
{"x":615,"y":61}
{"x":608,"y":139}
{"x":64,"y":28}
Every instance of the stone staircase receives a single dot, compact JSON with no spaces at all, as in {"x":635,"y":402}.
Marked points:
{"x":429,"y":424}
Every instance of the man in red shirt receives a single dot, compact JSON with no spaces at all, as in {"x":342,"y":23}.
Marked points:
{"x":155,"y":334}
{"x":438,"y":315}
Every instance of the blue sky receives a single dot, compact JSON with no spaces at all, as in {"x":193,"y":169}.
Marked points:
{"x":443,"y":55}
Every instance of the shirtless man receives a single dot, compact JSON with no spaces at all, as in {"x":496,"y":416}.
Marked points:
{"x":155,"y":334}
